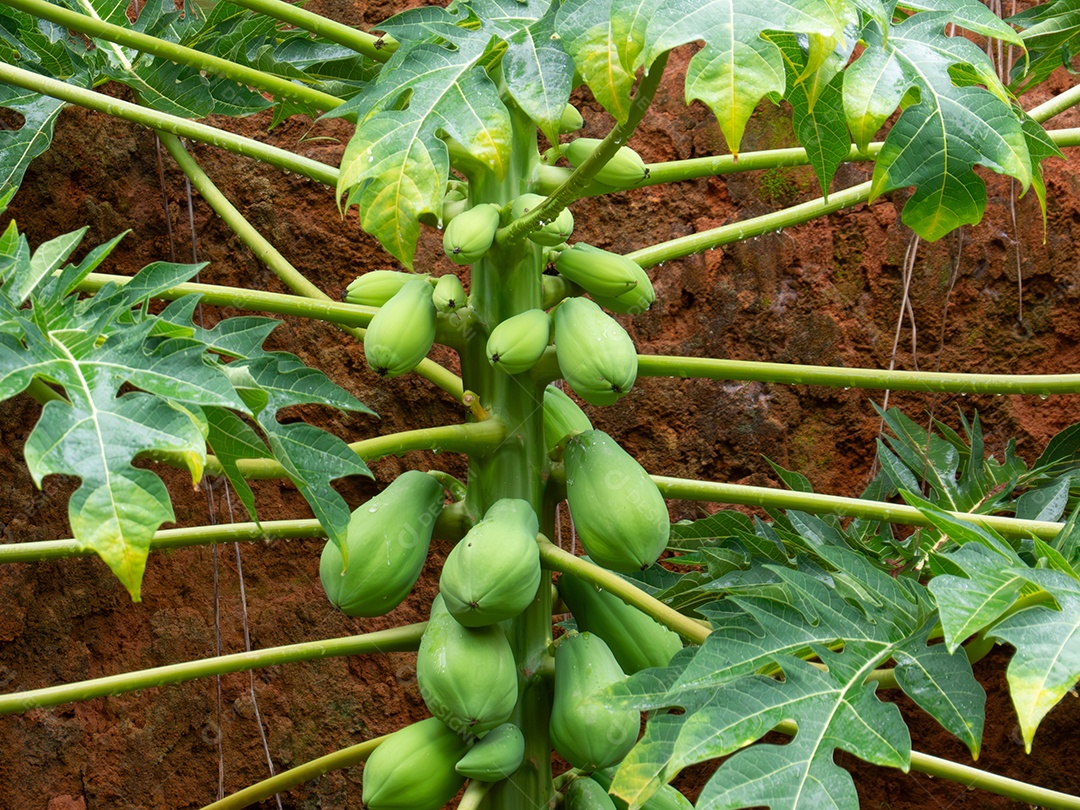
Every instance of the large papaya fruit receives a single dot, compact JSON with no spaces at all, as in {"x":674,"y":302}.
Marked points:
{"x":666,"y":798}
{"x":619,"y":513}
{"x":498,"y":754}
{"x":586,"y":794}
{"x":596,"y":356}
{"x":467,"y":675}
{"x":598,"y":271}
{"x":585,"y":732}
{"x":637,"y":641}
{"x":387,"y":542}
{"x":414,"y":768}
{"x":626,"y":168}
{"x":562,"y":417}
{"x":376,"y":287}
{"x":402,"y":331}
{"x":517,"y":343}
{"x":550,"y":233}
{"x":494,"y":571}
{"x":470,"y":234}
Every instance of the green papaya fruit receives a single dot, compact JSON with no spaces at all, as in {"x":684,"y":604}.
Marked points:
{"x":387,"y":542}
{"x":635,"y":300}
{"x":376,"y":287}
{"x":517,"y":343}
{"x":637,"y":641}
{"x":548,"y":234}
{"x":413,"y":769}
{"x":554,"y":289}
{"x":449,"y":295}
{"x":467,"y":676}
{"x":562,"y":417}
{"x":494,"y":571}
{"x":469,"y":235}
{"x":586,"y":794}
{"x":598,"y":271}
{"x":498,"y":754}
{"x":666,"y":798}
{"x":596,"y":356}
{"x":626,"y":168}
{"x":585,"y":732}
{"x":620,"y":515}
{"x":570,"y":120}
{"x":402,"y":331}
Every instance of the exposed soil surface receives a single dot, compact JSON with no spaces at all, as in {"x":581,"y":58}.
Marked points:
{"x":830,"y":292}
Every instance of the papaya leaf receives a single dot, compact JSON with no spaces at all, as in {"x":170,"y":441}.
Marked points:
{"x":19,"y":146}
{"x":1051,"y":33}
{"x":587,"y":29}
{"x":1046,"y":664}
{"x":539,"y":74}
{"x":232,"y":439}
{"x":969,"y":602}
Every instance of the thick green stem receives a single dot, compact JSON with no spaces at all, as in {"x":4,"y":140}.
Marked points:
{"x":164,"y":122}
{"x":267,"y":82}
{"x":397,"y":639}
{"x":345,"y":758}
{"x":693,"y":490}
{"x":378,"y":48}
{"x":973,"y":778}
{"x":838,"y":377}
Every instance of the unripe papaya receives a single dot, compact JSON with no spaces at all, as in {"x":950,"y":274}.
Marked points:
{"x":666,"y":798}
{"x":635,"y":300}
{"x":598,"y":271}
{"x":387,"y":542}
{"x":449,"y":295}
{"x":498,"y":754}
{"x":414,"y":768}
{"x":620,"y":515}
{"x":402,"y":331}
{"x":376,"y":287}
{"x":596,"y":356}
{"x":626,"y":168}
{"x":570,"y":120}
{"x":518,"y":342}
{"x":493,"y":573}
{"x":585,"y":732}
{"x":467,"y":676}
{"x":470,"y":234}
{"x":636,"y":640}
{"x":551,"y":233}
{"x":562,"y":417}
{"x":586,"y":794}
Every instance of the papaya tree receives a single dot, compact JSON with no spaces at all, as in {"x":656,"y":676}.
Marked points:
{"x":799,"y":619}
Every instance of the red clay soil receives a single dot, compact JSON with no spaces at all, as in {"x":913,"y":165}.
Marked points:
{"x":829,"y":292}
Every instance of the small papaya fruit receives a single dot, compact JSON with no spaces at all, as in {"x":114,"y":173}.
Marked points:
{"x":626,"y":168}
{"x":387,"y":542}
{"x":666,"y":798}
{"x":469,"y":235}
{"x":517,"y":343}
{"x":467,"y":676}
{"x":496,"y":756}
{"x":619,"y":513}
{"x":549,"y":234}
{"x":598,"y":271}
{"x":570,"y":120}
{"x":596,"y":356}
{"x":376,"y":287}
{"x":586,"y":733}
{"x":585,"y":793}
{"x":413,"y":769}
{"x":636,"y":640}
{"x":402,"y":331}
{"x":635,"y":300}
{"x":449,"y":295}
{"x":562,"y":417}
{"x":494,"y":571}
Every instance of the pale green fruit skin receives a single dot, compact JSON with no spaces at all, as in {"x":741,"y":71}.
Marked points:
{"x":562,"y":417}
{"x":635,"y":300}
{"x":470,"y":234}
{"x":376,"y":287}
{"x":586,"y":733}
{"x":429,"y":748}
{"x":493,"y":573}
{"x":387,"y":542}
{"x":570,"y":120}
{"x":517,"y":343}
{"x":620,"y":515}
{"x":496,"y":757}
{"x":598,"y":271}
{"x":626,"y":168}
{"x":552,"y":233}
{"x":586,"y":794}
{"x":666,"y":798}
{"x":636,"y":640}
{"x":402,"y":331}
{"x":467,"y":676}
{"x":449,"y":295}
{"x":596,"y":356}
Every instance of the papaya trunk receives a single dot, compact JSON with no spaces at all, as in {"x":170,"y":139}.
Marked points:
{"x":506,"y":282}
